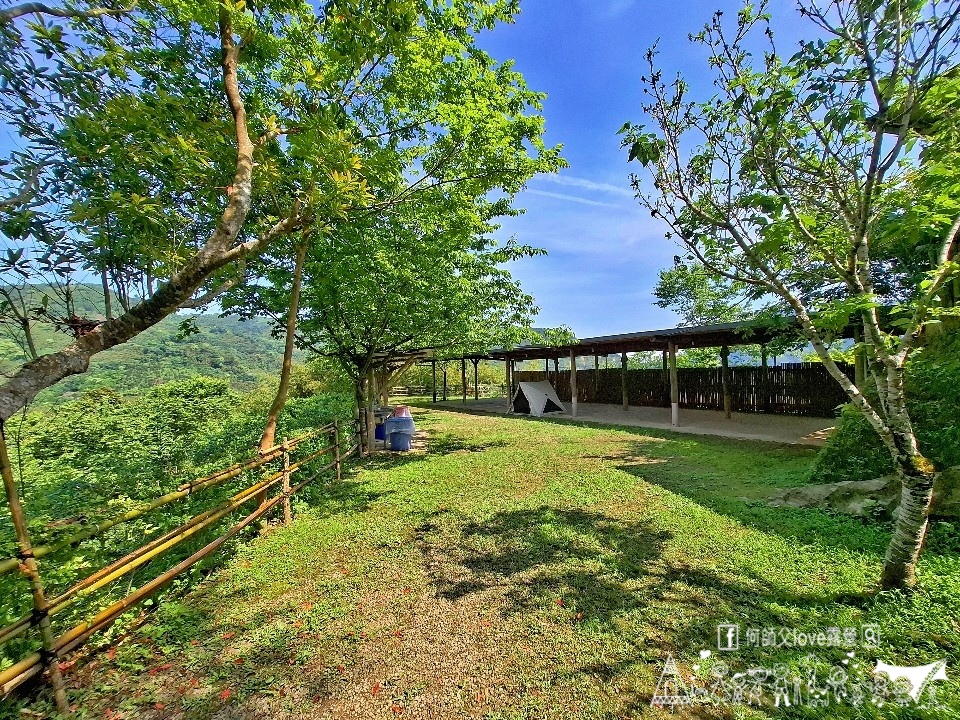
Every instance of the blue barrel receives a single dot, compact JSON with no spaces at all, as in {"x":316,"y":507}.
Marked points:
{"x":400,"y":432}
{"x":380,"y":431}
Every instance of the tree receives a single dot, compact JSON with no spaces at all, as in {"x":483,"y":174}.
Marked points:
{"x":784,"y":178}
{"x":374,"y":291}
{"x":171,"y":144}
{"x":700,"y":297}
{"x":116,"y":75}
{"x":410,"y":264}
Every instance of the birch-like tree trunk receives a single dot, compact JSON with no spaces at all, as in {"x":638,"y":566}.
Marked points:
{"x":786,"y":178}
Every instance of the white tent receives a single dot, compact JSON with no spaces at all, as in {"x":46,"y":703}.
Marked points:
{"x":536,"y":398}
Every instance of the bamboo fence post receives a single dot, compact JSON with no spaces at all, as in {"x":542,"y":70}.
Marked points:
{"x":336,"y":449}
{"x":28,"y":566}
{"x":287,"y":513}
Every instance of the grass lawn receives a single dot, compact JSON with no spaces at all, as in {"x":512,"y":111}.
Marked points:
{"x":530,"y":569}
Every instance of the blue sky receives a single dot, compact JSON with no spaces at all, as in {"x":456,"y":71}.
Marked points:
{"x":587,"y":55}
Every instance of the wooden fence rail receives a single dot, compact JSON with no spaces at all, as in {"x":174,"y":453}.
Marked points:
{"x":55,"y":647}
{"x":795,"y":389}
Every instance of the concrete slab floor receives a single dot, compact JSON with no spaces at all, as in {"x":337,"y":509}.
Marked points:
{"x":789,"y":429}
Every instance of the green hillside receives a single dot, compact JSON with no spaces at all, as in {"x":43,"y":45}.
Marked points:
{"x":243,"y":352}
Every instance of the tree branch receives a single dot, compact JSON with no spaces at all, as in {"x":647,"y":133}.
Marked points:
{"x":31,"y":8}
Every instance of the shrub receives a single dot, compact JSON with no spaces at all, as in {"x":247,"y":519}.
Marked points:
{"x":854,"y":451}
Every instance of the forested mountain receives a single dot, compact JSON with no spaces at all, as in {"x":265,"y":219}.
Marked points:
{"x":243,"y":352}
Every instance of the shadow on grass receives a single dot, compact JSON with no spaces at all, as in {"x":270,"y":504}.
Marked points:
{"x":605,"y":577}
{"x":806,"y":525}
{"x":539,"y":556}
{"x":447,"y":443}
{"x":349,"y":495}
{"x":436,"y":444}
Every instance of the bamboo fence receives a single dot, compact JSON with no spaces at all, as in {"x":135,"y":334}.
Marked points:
{"x":55,"y":646}
{"x":795,"y":389}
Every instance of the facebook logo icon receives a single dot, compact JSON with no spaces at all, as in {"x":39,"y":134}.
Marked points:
{"x":728,"y":637}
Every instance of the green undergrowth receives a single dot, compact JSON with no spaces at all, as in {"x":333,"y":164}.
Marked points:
{"x":103,"y":454}
{"x":854,"y":451}
{"x":529,"y":569}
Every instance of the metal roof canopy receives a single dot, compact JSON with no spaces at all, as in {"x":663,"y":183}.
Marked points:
{"x":702,"y":336}
{"x":699,"y":336}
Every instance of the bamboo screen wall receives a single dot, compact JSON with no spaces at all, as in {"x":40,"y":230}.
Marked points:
{"x":795,"y":389}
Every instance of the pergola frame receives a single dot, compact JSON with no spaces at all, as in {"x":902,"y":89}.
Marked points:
{"x":668,"y":341}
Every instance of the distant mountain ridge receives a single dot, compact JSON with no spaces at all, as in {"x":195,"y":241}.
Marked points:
{"x":243,"y":352}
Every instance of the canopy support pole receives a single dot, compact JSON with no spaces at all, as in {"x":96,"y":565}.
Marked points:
{"x":371,"y":418}
{"x":596,"y":377}
{"x":725,"y":380}
{"x":674,"y":388}
{"x":764,"y":380}
{"x":476,"y":378}
{"x":573,"y":383}
{"x":434,"y":364}
{"x":623,"y":381}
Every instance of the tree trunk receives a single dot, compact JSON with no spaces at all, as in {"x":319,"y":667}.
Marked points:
{"x":910,"y":527}
{"x":28,"y":336}
{"x":371,"y":418}
{"x":107,"y":302}
{"x":268,"y":439}
{"x":358,"y":415}
{"x":219,"y":250}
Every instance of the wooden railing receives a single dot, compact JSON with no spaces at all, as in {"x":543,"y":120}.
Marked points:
{"x":54,"y":647}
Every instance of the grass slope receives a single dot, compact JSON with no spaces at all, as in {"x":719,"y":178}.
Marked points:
{"x":525,"y":569}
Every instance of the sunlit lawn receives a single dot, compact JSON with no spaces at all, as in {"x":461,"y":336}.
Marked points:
{"x":524,"y":569}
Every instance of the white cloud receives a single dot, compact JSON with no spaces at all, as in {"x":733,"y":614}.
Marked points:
{"x":571,"y":198}
{"x":572,"y":181}
{"x":610,"y":8}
